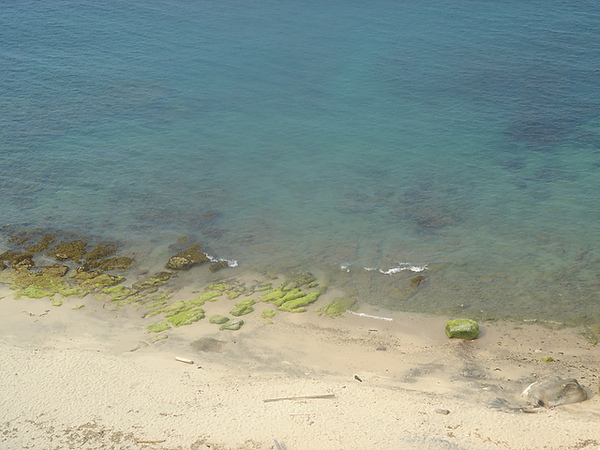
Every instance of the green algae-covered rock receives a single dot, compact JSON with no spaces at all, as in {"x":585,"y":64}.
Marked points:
{"x":118,"y":293}
{"x":268,"y":314}
{"x":102,"y":280}
{"x":299,"y":304}
{"x":218,"y":319}
{"x":39,"y":284}
{"x":18,"y":260}
{"x":462,"y":329}
{"x":153,"y":281}
{"x":74,"y":251}
{"x":232,"y":325}
{"x":273,"y":295}
{"x":185,"y":317}
{"x":243,"y":307}
{"x":158,"y":327}
{"x":337,"y":307}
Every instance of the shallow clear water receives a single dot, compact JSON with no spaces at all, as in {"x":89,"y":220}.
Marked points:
{"x":322,"y":136}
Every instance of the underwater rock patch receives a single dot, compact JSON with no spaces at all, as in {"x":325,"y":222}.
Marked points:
{"x":218,"y":265}
{"x":113,"y":263}
{"x":101,"y":251}
{"x":58,"y":270}
{"x":153,"y":281}
{"x":73,"y":251}
{"x":18,"y":260}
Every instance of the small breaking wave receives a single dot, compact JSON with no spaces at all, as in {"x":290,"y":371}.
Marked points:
{"x":230,"y":262}
{"x":397,"y":269}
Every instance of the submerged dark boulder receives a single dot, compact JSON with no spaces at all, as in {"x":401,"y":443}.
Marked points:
{"x":187,"y":258}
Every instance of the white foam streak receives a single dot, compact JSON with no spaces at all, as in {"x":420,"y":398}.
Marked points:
{"x":389,"y":319}
{"x":230,"y":262}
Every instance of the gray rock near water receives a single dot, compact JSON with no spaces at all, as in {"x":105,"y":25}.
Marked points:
{"x":554,"y":391}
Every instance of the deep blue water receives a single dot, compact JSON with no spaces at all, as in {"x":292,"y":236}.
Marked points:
{"x":325,"y":136}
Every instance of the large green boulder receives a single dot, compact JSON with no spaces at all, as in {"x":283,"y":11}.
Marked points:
{"x":462,"y":329}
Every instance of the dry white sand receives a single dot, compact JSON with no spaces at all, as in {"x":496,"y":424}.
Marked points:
{"x":93,"y":379}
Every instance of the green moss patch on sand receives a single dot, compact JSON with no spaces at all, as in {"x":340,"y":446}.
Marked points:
{"x":230,"y":288}
{"x":294,"y":295}
{"x":232,"y":325}
{"x":243,"y":307}
{"x":218,"y":319}
{"x":337,"y":307}
{"x":185,"y":317}
{"x":158,"y":327}
{"x":153,"y":281}
{"x":118,"y":293}
{"x":38,"y":284}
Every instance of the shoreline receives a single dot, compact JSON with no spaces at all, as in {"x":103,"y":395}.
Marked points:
{"x":93,"y":378}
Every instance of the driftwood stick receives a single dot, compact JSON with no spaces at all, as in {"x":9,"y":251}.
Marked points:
{"x":302,"y":397}
{"x":142,"y":441}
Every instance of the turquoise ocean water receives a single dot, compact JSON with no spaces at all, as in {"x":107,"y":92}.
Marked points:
{"x":335,"y":136}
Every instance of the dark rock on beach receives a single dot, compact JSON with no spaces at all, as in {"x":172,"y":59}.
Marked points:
{"x":187,"y":259}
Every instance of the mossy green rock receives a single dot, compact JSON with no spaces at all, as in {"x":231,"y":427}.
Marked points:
{"x":232,"y":325}
{"x":243,"y":307}
{"x":153,"y":281}
{"x":268,"y":314}
{"x":462,"y":329}
{"x":337,"y":307}
{"x":218,"y":319}
{"x":299,"y":304}
{"x":158,"y":327}
{"x":185,"y":317}
{"x":118,"y":293}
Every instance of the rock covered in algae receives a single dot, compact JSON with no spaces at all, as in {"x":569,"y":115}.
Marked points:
{"x":18,"y":260}
{"x":95,"y":279}
{"x":40,"y":284}
{"x":74,"y":251}
{"x":218,"y":319}
{"x":118,"y":293}
{"x":336,"y":308}
{"x":153,"y":281}
{"x":187,"y":258}
{"x":232,"y":325}
{"x":158,"y":327}
{"x":243,"y":307}
{"x":268,"y":314}
{"x":55,"y":270}
{"x":462,"y":329}
{"x":185,"y":317}
{"x":289,"y":297}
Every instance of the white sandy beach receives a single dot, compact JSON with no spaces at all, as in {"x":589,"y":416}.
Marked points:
{"x":93,"y":379}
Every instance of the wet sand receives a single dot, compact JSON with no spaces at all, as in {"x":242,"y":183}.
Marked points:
{"x":94,"y":379}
